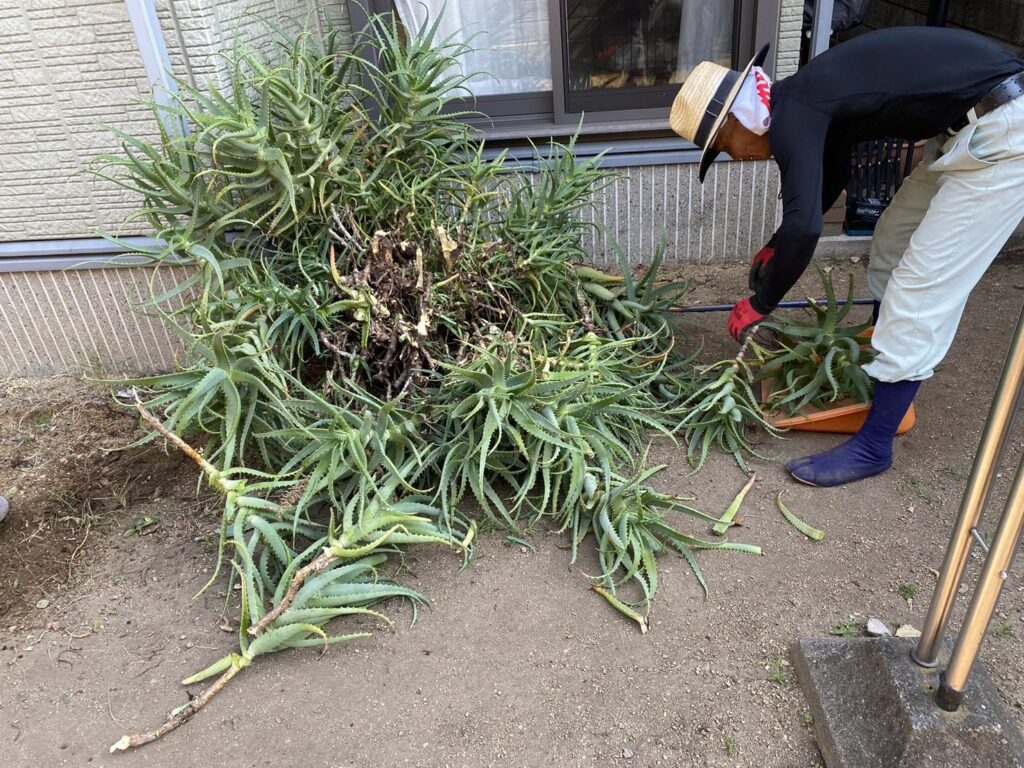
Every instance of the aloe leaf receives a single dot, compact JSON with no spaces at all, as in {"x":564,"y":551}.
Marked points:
{"x":622,"y":608}
{"x":729,"y":515}
{"x":804,"y":528}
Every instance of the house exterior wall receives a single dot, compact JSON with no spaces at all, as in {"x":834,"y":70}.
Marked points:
{"x":66,"y":66}
{"x":197,"y":30}
{"x":71,"y":64}
{"x":787,"y":53}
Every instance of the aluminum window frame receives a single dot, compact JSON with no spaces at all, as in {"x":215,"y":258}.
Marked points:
{"x":513,"y":118}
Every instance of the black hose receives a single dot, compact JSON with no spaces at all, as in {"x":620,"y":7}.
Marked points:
{"x":782,"y":305}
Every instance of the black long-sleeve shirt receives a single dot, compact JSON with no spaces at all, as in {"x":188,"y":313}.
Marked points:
{"x":911,"y":82}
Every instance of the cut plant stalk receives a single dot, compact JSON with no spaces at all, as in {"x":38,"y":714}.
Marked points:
{"x":726,"y":521}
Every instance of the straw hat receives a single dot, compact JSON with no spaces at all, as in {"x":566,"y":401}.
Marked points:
{"x":703,"y":103}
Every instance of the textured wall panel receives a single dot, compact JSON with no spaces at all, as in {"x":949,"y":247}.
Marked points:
{"x":787,"y":53}
{"x":69,"y":66}
{"x":66,"y":66}
{"x":197,"y":30}
{"x":727,"y":218}
{"x":84,"y":321}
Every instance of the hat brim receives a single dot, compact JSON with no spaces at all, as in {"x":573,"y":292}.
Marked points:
{"x":709,"y":153}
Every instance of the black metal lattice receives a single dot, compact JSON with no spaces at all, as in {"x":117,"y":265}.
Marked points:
{"x":878,"y":169}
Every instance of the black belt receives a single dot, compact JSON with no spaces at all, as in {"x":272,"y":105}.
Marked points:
{"x":1011,"y":88}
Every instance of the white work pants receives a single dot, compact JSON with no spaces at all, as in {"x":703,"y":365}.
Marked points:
{"x":933,"y":243}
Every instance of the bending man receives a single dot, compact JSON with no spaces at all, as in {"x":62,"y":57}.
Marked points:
{"x":939,"y":234}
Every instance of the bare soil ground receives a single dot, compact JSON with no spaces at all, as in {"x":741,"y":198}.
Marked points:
{"x":63,"y":467}
{"x":517,"y":664}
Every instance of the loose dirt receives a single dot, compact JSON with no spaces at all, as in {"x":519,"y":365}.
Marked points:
{"x":65,"y":468}
{"x":517,"y":663}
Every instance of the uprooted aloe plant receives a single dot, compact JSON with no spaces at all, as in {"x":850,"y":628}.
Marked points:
{"x":817,"y":363}
{"x":628,"y":519}
{"x":717,"y":411}
{"x":381,"y":324}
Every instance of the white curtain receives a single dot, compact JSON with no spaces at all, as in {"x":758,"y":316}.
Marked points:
{"x":705,"y":34}
{"x":512,"y":50}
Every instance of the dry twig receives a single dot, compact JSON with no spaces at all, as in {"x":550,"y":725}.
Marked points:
{"x":314,"y":568}
{"x":179,"y":716}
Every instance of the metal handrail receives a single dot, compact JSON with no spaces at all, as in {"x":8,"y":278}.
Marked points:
{"x":990,"y":448}
{"x":953,"y":680}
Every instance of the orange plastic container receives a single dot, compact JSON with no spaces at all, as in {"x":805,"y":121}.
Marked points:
{"x":844,"y":418}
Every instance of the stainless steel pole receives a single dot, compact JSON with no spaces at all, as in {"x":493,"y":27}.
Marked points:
{"x":1000,"y":418}
{"x":953,"y":680}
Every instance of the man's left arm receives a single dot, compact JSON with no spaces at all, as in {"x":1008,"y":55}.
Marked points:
{"x":835,"y":171}
{"x":798,"y":141}
{"x":798,"y":145}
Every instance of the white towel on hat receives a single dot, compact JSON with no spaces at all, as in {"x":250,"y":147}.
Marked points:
{"x":752,"y":106}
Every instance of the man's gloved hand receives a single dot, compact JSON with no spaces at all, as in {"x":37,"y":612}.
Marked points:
{"x":758,"y":267}
{"x":743,"y":318}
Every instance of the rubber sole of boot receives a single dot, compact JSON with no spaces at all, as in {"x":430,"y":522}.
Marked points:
{"x":818,"y":485}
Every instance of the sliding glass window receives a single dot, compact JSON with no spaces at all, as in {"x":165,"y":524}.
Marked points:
{"x":556,"y":61}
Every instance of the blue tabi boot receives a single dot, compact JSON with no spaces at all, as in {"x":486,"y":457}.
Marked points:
{"x":869,"y":452}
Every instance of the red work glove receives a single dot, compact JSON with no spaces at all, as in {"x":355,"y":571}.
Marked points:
{"x":757,"y":268}
{"x":743,"y":317}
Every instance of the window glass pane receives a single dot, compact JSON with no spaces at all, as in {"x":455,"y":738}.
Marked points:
{"x":513,"y":49}
{"x":614,"y":44}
